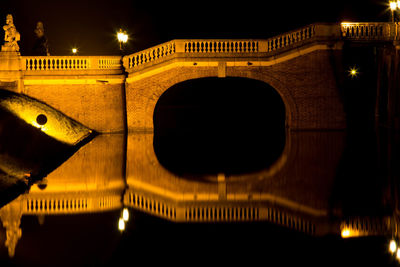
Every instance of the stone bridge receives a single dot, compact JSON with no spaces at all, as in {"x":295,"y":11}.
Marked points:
{"x":308,"y":67}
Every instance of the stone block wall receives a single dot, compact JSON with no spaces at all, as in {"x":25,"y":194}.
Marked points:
{"x":97,"y":106}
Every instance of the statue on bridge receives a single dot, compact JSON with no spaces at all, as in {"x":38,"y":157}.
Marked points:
{"x":11,"y":36}
{"x":41,"y":46}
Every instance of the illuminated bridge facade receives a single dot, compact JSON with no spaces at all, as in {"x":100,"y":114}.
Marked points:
{"x":111,"y":94}
{"x":304,"y":66}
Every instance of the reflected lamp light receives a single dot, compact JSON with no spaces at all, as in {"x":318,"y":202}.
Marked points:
{"x":392,"y":246}
{"x":125,"y":214}
{"x":121,"y":224}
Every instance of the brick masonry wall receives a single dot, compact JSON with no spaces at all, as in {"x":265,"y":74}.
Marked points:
{"x":97,"y":106}
{"x":307,"y":84}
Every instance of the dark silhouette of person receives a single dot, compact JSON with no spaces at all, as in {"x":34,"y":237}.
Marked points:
{"x":41,"y":46}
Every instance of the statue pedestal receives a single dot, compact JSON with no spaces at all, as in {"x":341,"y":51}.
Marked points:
{"x":11,"y":75}
{"x":8,"y":48}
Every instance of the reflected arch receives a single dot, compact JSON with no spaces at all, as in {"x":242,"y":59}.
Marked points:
{"x":211,"y":125}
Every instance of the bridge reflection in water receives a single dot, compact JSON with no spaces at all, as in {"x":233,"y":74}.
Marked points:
{"x":305,"y":191}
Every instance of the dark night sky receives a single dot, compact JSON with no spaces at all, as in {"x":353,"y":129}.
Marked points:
{"x":91,"y":25}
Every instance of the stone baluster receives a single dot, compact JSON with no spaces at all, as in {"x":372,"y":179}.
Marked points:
{"x":135,"y":61}
{"x":187,"y":47}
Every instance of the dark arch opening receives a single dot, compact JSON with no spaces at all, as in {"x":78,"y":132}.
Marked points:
{"x":219,"y":125}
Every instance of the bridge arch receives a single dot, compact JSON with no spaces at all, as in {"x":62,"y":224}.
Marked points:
{"x":212,"y":125}
{"x":143,"y":95}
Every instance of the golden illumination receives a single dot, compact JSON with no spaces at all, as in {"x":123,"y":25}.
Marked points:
{"x":392,"y":246}
{"x":45,"y":118}
{"x":349,"y":232}
{"x":346,"y":24}
{"x":74,"y":50}
{"x":121,"y":224}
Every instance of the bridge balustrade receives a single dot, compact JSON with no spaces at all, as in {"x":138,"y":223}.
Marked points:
{"x":70,"y":63}
{"x":290,"y":38}
{"x":368,"y":30}
{"x":150,"y":54}
{"x":367,"y":226}
{"x":160,"y":208}
{"x":221,"y":46}
{"x":77,"y":204}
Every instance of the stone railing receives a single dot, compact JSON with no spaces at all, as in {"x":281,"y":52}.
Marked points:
{"x":70,"y":63}
{"x":150,"y":54}
{"x":220,"y":46}
{"x":291,"y":38}
{"x":369,"y":31}
{"x":366,"y":226}
{"x":56,"y":204}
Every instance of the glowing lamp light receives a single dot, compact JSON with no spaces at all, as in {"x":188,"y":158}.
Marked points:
{"x":353,"y":72}
{"x":392,"y":246}
{"x":345,"y":233}
{"x":393,"y":5}
{"x":121,"y":224}
{"x":74,"y":50}
{"x":125,"y":214}
{"x":398,"y":254}
{"x":122,"y":38}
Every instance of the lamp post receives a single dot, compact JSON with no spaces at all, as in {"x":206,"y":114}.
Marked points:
{"x":122,"y":38}
{"x":394,"y":6}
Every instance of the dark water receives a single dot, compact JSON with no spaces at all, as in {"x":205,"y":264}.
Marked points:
{"x":315,"y":176}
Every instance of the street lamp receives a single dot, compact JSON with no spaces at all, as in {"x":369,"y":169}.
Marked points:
{"x":122,"y":38}
{"x":353,"y":72}
{"x":74,"y":51}
{"x":394,"y":5}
